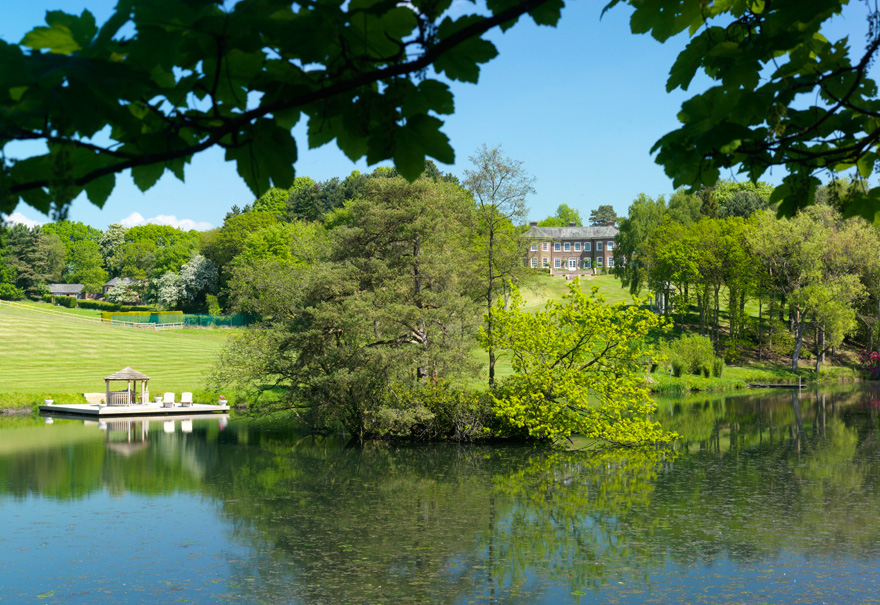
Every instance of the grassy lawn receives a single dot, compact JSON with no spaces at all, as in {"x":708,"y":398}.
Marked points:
{"x":50,"y":308}
{"x":44,"y":355}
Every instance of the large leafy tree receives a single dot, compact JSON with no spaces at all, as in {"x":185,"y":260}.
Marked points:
{"x":162,"y":80}
{"x":499,"y":186}
{"x":783,"y":94}
{"x":578,"y":368}
{"x":387,"y":305}
{"x":36,"y":258}
{"x":603,"y":216}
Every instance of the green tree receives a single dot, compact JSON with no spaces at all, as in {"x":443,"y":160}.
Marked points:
{"x":499,"y":186}
{"x":111,"y":244}
{"x":166,"y":80}
{"x":386,"y":308}
{"x":684,"y":207}
{"x":565,"y":216}
{"x":603,"y":216}
{"x":784,"y":95}
{"x":578,"y":368}
{"x":85,"y":266}
{"x":645,"y":215}
{"x":35,"y":258}
{"x":71,"y":232}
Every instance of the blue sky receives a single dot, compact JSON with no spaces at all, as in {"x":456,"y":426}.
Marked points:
{"x":580,"y":105}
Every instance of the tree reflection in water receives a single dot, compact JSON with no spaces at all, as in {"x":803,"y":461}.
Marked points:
{"x":757,"y":482}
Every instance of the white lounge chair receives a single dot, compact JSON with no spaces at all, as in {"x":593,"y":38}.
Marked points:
{"x":186,"y":426}
{"x":168,"y":400}
{"x":186,"y":400}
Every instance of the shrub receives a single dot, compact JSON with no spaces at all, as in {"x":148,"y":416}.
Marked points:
{"x":433,"y":411}
{"x":678,"y":367}
{"x":48,"y":298}
{"x":10,"y":292}
{"x":65,"y":301}
{"x":693,"y":351}
{"x":707,"y":370}
{"x":717,"y":367}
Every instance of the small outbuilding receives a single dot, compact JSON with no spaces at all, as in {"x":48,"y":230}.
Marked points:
{"x":131,"y":395}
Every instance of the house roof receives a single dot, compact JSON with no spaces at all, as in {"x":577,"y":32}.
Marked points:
{"x":65,"y":288}
{"x":117,"y":280}
{"x":127,"y":374}
{"x":572,"y":232}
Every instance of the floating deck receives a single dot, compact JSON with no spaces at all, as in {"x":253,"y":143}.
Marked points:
{"x":777,"y":386}
{"x":91,"y":410}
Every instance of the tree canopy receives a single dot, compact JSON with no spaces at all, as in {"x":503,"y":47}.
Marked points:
{"x":783,"y":95}
{"x":162,"y":80}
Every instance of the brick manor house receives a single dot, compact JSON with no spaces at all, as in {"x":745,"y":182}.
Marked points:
{"x":571,"y":250}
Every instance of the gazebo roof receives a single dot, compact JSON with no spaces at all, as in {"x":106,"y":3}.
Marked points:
{"x":127,"y":374}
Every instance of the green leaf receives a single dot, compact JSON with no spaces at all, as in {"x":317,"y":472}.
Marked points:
{"x":419,"y":137}
{"x":146,"y":176}
{"x":866,"y":164}
{"x":58,"y":40}
{"x":266,"y":158}
{"x":866,"y":206}
{"x":462,"y":62}
{"x":17,"y":92}
{"x":100,"y":189}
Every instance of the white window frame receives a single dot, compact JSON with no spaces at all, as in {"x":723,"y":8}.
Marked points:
{"x":598,"y":261}
{"x":557,"y":263}
{"x":587,"y":262}
{"x":566,"y":246}
{"x":588,"y":247}
{"x":598,"y":246}
{"x":610,"y":245}
{"x":534,"y":262}
{"x":577,"y":246}
{"x":534,"y":247}
{"x":572,"y":264}
{"x":557,"y":247}
{"x":610,"y":262}
{"x":546,"y":261}
{"x":545,"y":246}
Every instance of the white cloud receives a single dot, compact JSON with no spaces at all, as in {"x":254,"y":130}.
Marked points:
{"x":18,"y":217}
{"x":136,"y":218}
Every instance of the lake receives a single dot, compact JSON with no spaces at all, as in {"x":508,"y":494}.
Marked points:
{"x":769,"y":497}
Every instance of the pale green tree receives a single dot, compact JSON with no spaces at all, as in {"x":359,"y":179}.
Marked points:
{"x":578,"y":368}
{"x":499,"y":186}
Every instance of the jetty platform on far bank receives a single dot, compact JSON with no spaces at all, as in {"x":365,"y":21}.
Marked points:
{"x":92,"y":410}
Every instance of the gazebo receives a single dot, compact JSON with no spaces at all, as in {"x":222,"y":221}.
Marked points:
{"x":130,"y":396}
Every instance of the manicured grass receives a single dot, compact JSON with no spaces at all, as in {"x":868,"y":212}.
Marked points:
{"x":46,"y":356}
{"x":547,"y":288}
{"x":50,"y":308}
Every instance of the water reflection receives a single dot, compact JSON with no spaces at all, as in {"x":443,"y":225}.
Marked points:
{"x":767,"y":497}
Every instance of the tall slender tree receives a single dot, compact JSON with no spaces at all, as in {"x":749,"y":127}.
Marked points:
{"x":499,"y":186}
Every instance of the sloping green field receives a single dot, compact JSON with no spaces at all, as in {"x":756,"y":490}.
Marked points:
{"x":46,"y":354}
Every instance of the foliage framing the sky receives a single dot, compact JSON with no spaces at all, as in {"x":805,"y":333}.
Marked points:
{"x":194,"y":75}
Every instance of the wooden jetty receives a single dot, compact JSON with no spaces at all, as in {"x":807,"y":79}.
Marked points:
{"x":90,"y":410}
{"x":780,"y":385}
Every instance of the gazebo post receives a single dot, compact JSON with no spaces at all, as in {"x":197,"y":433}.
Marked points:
{"x":107,"y":397}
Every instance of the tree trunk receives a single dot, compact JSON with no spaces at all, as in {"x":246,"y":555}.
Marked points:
{"x":800,"y":325}
{"x":760,"y":329}
{"x":490,"y":344}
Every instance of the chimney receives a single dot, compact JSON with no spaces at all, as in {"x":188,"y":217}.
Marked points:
{"x":572,"y":224}
{"x":533,"y":224}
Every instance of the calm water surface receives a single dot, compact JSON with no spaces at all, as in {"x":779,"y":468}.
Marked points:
{"x":770,"y":498}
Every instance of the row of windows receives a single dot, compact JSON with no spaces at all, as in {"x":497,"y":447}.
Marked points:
{"x":571,"y":262}
{"x":567,"y":246}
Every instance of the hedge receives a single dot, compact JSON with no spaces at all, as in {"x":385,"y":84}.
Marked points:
{"x":141,"y":317}
{"x":109,"y":306}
